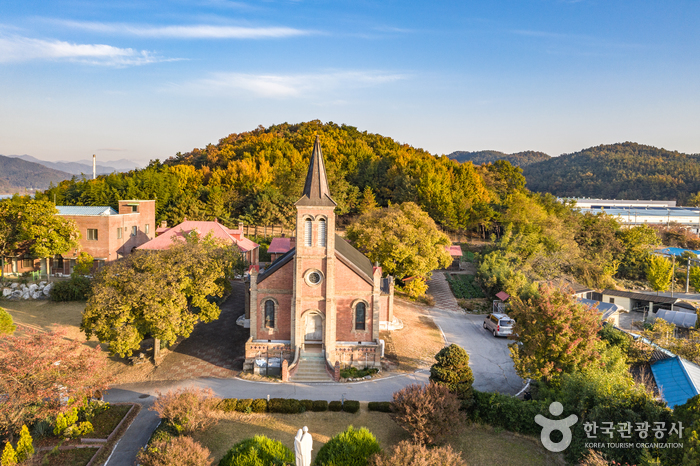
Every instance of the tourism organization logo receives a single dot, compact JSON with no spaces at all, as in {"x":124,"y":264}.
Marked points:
{"x":551,"y":425}
{"x":624,"y":430}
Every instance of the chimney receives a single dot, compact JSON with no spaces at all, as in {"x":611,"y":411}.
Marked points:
{"x":94,"y":166}
{"x":164,"y":224}
{"x":240,"y":227}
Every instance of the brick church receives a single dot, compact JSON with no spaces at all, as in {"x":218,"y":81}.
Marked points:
{"x":322,"y":302}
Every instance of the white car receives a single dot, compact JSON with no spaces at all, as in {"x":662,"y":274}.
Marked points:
{"x":499,"y":324}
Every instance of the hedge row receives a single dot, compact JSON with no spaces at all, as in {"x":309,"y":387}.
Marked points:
{"x":381,"y":406}
{"x":285,"y":405}
{"x":508,"y":412}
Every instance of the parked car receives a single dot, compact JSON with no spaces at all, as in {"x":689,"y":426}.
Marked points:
{"x":499,"y":324}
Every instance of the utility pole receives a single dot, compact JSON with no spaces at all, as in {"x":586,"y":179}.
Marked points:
{"x":673,"y":275}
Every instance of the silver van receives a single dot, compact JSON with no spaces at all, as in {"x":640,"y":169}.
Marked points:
{"x":499,"y":324}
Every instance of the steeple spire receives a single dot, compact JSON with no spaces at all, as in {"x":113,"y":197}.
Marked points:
{"x":316,"y":192}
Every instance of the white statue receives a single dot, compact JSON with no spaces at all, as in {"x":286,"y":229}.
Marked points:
{"x":306,"y":447}
{"x":298,"y":456}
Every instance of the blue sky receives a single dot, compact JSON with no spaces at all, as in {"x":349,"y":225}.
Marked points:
{"x":144,"y":79}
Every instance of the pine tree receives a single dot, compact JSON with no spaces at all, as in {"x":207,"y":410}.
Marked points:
{"x":9,"y":457}
{"x":25,"y":448}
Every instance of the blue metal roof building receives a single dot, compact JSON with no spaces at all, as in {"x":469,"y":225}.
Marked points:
{"x":85,"y":210}
{"x":678,"y":380}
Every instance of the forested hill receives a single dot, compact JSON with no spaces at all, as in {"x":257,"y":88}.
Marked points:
{"x":17,"y":175}
{"x":257,"y":177}
{"x":518,"y":159}
{"x":618,"y":171}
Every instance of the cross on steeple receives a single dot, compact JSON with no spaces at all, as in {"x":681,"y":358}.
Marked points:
{"x":316,"y":192}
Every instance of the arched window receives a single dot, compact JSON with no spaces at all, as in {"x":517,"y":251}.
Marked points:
{"x":360,"y":314}
{"x":307,"y":232}
{"x":269,"y":314}
{"x":322,"y":232}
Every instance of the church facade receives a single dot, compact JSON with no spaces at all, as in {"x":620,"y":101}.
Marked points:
{"x":322,"y":293}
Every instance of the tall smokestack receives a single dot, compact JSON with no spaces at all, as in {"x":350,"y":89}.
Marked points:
{"x":94,"y":166}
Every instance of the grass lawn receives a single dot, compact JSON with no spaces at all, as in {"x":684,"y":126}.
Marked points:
{"x":45,"y":315}
{"x":105,"y":422}
{"x":72,"y":457}
{"x":416,"y":344}
{"x":479,"y":445}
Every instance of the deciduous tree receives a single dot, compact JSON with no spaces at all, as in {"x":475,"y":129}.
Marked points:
{"x":554,"y":334}
{"x":659,"y":273}
{"x":39,"y":371}
{"x":403,"y":239}
{"x":159,"y":293}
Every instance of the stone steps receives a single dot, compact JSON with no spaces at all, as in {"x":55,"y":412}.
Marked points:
{"x":312,"y":368}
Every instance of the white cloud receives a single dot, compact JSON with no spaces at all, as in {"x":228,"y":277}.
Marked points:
{"x":197,"y":31}
{"x":286,"y":86}
{"x":18,"y":48}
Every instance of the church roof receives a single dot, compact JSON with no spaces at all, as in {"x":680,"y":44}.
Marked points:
{"x":355,"y":258}
{"x":316,"y":192}
{"x":358,"y":259}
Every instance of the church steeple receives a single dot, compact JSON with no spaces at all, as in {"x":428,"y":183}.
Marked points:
{"x":316,"y":192}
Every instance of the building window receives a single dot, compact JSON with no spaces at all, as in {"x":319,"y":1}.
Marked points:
{"x":322,"y":232}
{"x":92,"y":234}
{"x":269,"y":314}
{"x":148,"y":228}
{"x":313,"y":277}
{"x":134,"y":230}
{"x":612,"y":300}
{"x":27,"y":262}
{"x":134,"y":208}
{"x":119,"y":233}
{"x":360,"y":315}
{"x":307,"y":232}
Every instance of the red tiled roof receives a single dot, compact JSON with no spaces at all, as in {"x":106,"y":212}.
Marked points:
{"x":280,"y":245}
{"x":454,"y":250}
{"x":217,"y":230}
{"x":502,"y":295}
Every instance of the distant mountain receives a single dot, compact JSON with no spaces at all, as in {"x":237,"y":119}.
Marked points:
{"x":83,"y":166}
{"x":618,"y":171}
{"x":17,"y":175}
{"x":519,"y":159}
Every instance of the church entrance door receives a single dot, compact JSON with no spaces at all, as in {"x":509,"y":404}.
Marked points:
{"x":314,"y":328}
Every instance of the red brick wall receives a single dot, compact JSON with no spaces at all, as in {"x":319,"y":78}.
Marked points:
{"x":275,"y":286}
{"x":348,"y":287}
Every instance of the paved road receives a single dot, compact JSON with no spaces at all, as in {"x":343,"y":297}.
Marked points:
{"x":489,"y":358}
{"x":140,"y":431}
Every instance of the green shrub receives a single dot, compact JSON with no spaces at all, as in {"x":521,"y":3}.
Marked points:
{"x":319,"y":406}
{"x":308,"y":405}
{"x":354,"y":373}
{"x":227,"y":405}
{"x":258,"y":451}
{"x":336,"y":406}
{"x":349,"y":448}
{"x":25,"y":447}
{"x":351,"y":406}
{"x":75,"y":289}
{"x":452,"y":370}
{"x":284,"y":405}
{"x":9,"y":457}
{"x":259,"y":405}
{"x":381,"y":406}
{"x":7,"y":326}
{"x":244,"y":405}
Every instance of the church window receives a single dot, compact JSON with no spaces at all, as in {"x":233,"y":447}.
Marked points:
{"x":269,"y":314}
{"x":307,"y":232}
{"x":360,"y":315}
{"x":313,"y":277}
{"x":322,"y":232}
